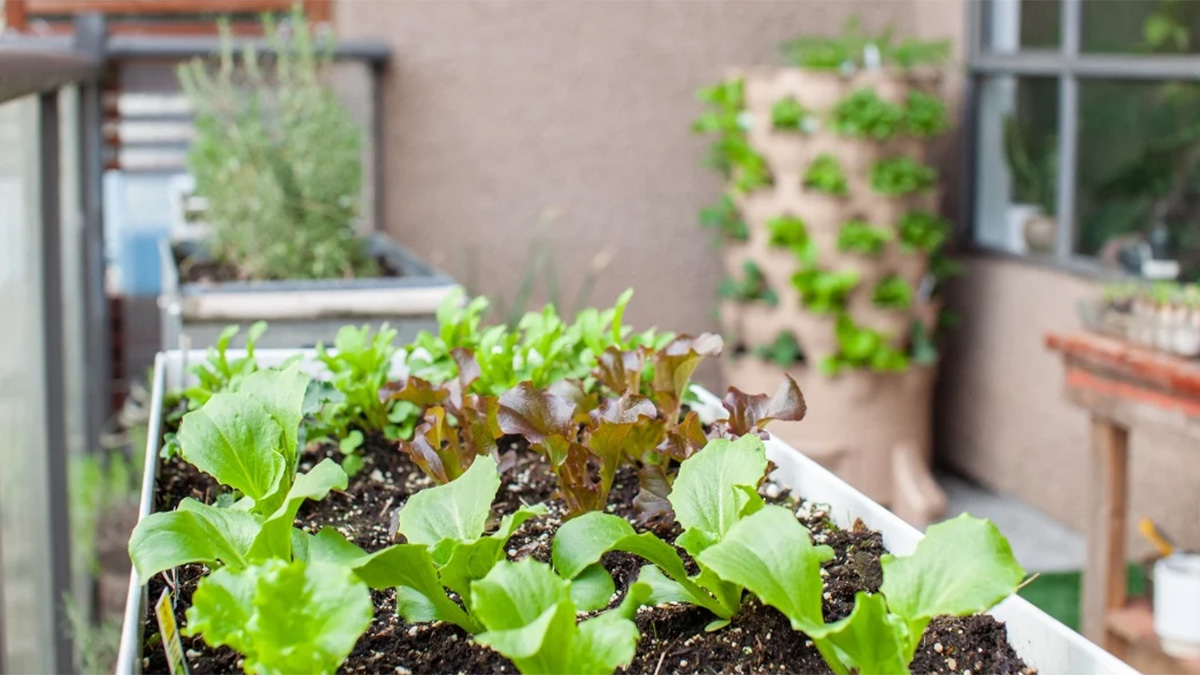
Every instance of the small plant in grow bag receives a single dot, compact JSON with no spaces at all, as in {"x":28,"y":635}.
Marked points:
{"x":529,"y":612}
{"x":963,"y":566}
{"x":824,"y":292}
{"x":901,"y":176}
{"x":715,"y":489}
{"x":247,"y":440}
{"x":862,"y":347}
{"x":283,"y":617}
{"x":788,"y":114}
{"x":923,"y":231}
{"x":789,"y":232}
{"x":726,"y":220}
{"x":863,"y":114}
{"x":751,"y":288}
{"x":857,"y":236}
{"x":750,"y":168}
{"x":925,"y":115}
{"x":784,"y":351}
{"x":892,"y":292}
{"x":825,"y":175}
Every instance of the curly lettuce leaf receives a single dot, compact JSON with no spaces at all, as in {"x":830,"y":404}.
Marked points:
{"x":283,"y":617}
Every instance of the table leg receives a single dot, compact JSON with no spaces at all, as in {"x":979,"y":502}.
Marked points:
{"x":1104,"y":579}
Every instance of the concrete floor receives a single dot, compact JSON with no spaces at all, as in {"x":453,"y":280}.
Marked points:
{"x":1040,"y":543}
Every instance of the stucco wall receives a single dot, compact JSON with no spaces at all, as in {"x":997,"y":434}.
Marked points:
{"x":1003,"y":419}
{"x":498,"y":111}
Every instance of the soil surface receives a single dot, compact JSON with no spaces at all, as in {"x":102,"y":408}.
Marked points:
{"x":209,"y":272}
{"x":759,"y":640}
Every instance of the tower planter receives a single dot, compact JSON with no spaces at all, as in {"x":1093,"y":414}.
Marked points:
{"x":810,"y":153}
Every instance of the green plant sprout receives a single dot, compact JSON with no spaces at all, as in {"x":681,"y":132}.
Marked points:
{"x":903,"y":175}
{"x":847,"y":52}
{"x":862,"y":347}
{"x":529,"y":612}
{"x":790,"y":232}
{"x":825,"y":175}
{"x":857,"y":236}
{"x":751,"y":288}
{"x":787,"y":114}
{"x":923,"y":231}
{"x":863,"y":114}
{"x":822,"y":291}
{"x":892,"y":292}
{"x":925,"y":115}
{"x":784,"y":351}
{"x":724,"y":218}
{"x":963,"y":566}
{"x":715,"y":489}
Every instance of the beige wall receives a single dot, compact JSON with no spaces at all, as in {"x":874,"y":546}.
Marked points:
{"x":1002,"y":417}
{"x":498,"y":111}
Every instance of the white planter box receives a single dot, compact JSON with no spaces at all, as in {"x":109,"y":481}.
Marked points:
{"x":1040,"y":640}
{"x":301,"y":313}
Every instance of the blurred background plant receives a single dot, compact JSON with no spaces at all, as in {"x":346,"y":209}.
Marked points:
{"x":277,"y":158}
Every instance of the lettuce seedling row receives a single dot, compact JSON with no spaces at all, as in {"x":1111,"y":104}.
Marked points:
{"x":674,"y":637}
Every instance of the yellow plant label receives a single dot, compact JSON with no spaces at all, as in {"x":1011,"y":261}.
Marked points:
{"x":165,"y":612}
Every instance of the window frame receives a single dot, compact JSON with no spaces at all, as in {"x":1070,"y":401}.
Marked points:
{"x":1068,"y":65}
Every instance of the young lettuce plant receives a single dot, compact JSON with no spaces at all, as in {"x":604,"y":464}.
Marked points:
{"x":360,"y":368}
{"x":283,"y":617}
{"x":864,"y":114}
{"x":247,"y":440}
{"x":826,"y":175}
{"x":457,"y":427}
{"x":528,"y":613}
{"x":218,"y":373}
{"x":903,"y":175}
{"x":963,"y":566}
{"x":860,"y":237}
{"x":715,"y":488}
{"x":446,"y":550}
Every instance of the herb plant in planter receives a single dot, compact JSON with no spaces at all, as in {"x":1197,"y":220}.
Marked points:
{"x":277,"y":161}
{"x":846,"y":241}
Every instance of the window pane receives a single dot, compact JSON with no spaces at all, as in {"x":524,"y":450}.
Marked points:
{"x":1141,"y":26}
{"x":1139,"y":171}
{"x":1017,"y":161}
{"x":1013,"y":25}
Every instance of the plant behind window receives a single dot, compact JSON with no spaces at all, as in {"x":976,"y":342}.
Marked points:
{"x":278,"y":159}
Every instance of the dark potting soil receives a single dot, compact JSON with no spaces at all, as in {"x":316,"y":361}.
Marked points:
{"x":205,"y":271}
{"x":759,"y":640}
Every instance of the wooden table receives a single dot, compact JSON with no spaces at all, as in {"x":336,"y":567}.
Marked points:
{"x":1121,"y":385}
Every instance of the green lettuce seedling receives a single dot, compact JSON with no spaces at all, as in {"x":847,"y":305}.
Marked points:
{"x":528,"y":613}
{"x":359,"y":369}
{"x":864,"y":114}
{"x":903,"y":175}
{"x":861,"y":237}
{"x":961,"y":567}
{"x":248,"y":441}
{"x":218,"y":373}
{"x":714,"y":490}
{"x":446,"y":549}
{"x":282,"y":617}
